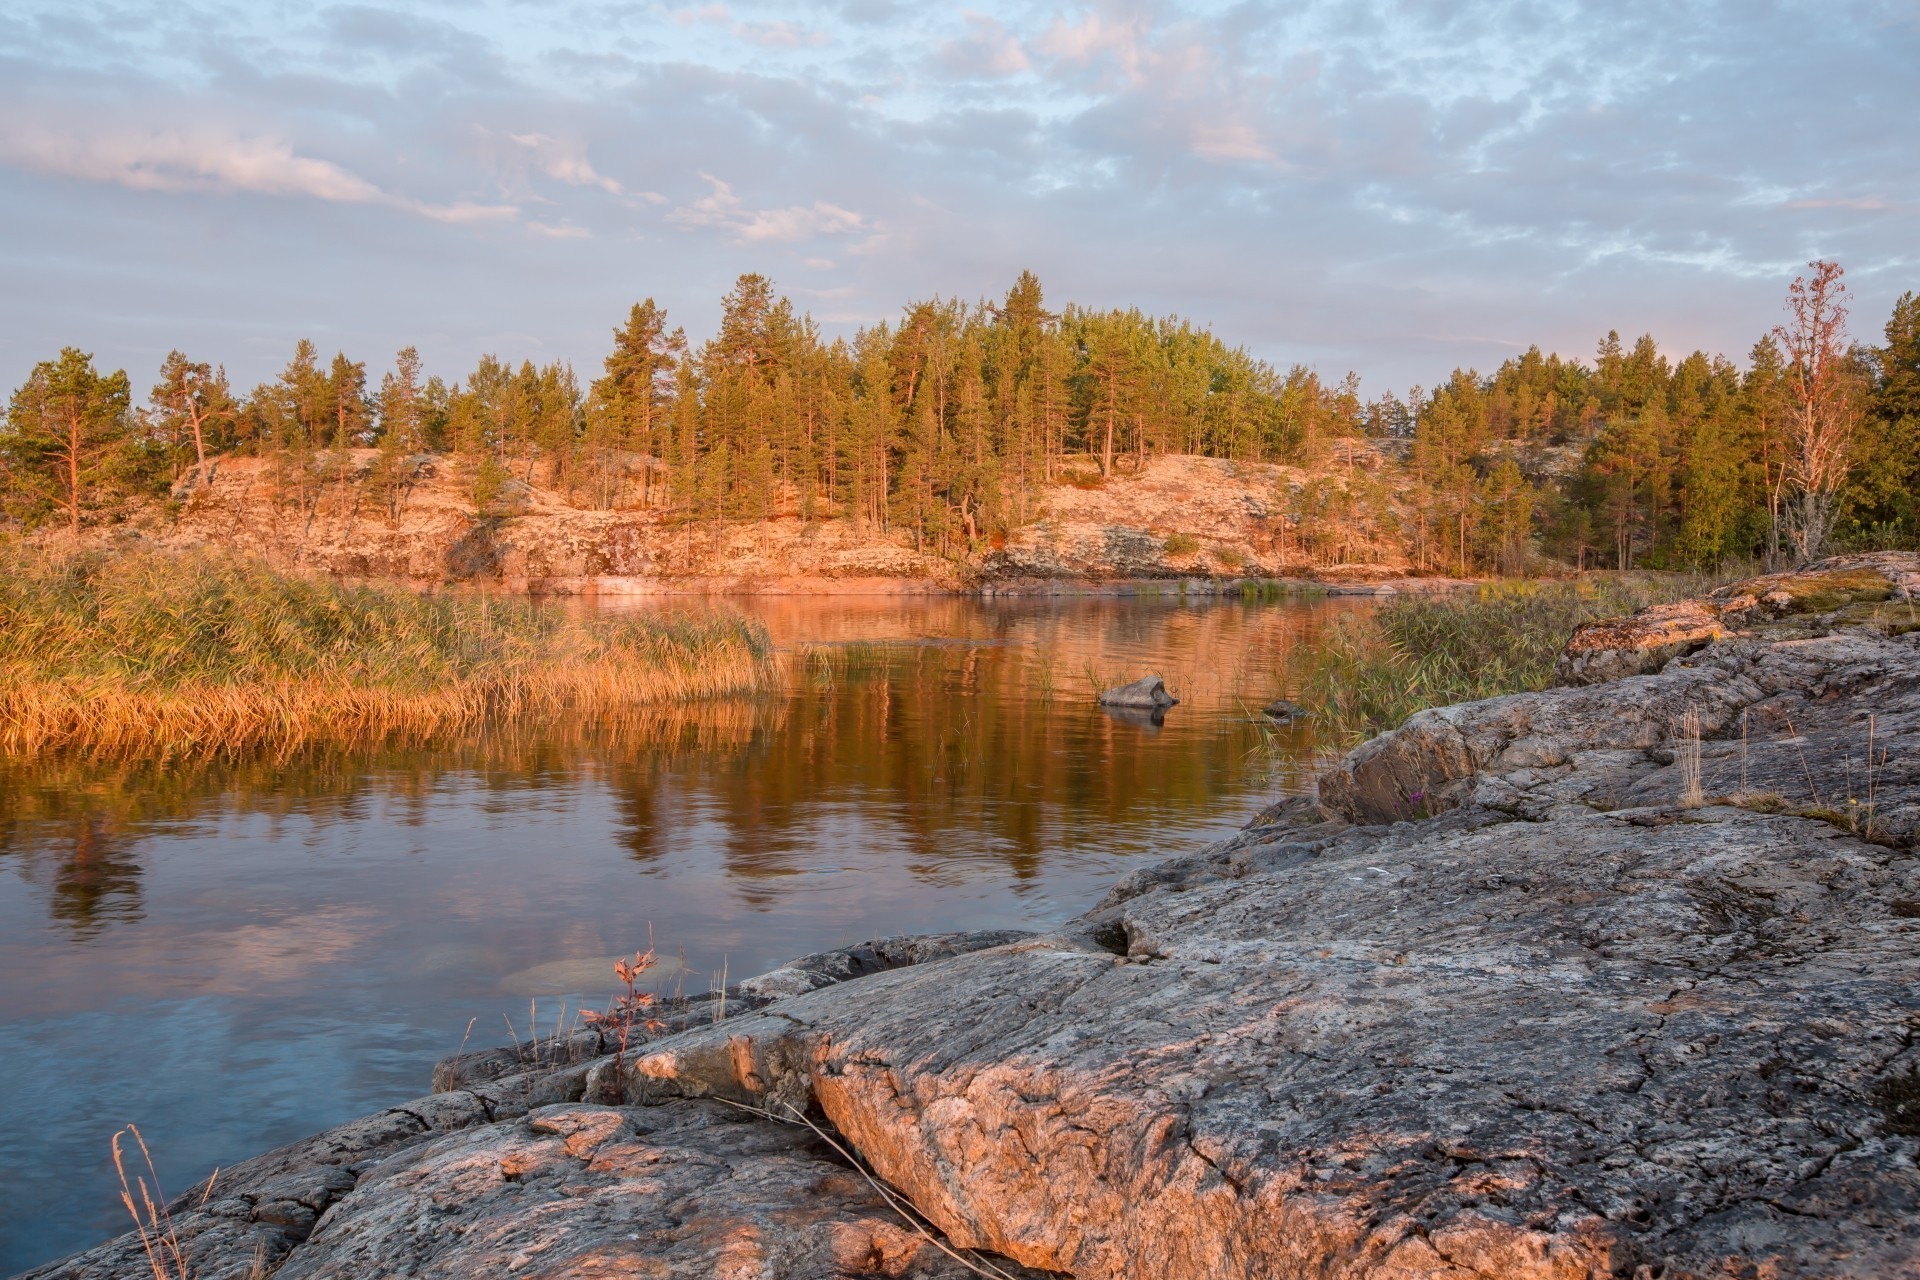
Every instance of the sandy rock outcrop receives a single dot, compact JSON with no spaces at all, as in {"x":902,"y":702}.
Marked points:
{"x":1204,"y":521}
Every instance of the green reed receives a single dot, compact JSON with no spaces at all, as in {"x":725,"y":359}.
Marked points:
{"x":1373,"y":670}
{"x":152,"y":649}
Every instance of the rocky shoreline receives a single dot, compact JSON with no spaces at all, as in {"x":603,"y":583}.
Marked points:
{"x":1177,"y":520}
{"x":1617,"y":979}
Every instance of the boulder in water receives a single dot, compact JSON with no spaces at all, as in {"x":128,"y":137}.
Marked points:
{"x":1148,"y":693}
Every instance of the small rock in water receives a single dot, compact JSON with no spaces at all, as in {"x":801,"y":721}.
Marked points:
{"x":1147,"y":692}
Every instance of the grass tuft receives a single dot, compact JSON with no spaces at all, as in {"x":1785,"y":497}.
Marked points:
{"x":156,"y":651}
{"x":1376,"y":669}
{"x":152,"y":1221}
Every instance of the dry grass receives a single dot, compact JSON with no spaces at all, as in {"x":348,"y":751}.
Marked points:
{"x":185,"y":652}
{"x":152,"y":1222}
{"x":1687,"y":756}
{"x":825,"y":667}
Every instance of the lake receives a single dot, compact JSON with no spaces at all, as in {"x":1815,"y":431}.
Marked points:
{"x":235,"y":953}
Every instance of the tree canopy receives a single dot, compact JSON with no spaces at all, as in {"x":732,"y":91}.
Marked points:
{"x":946,"y":423}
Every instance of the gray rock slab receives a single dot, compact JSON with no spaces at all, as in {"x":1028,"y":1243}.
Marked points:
{"x":687,"y":1191}
{"x":1476,"y":1046}
{"x":1148,"y":693}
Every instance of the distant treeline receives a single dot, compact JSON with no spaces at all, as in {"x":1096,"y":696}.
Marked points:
{"x":947,"y":423}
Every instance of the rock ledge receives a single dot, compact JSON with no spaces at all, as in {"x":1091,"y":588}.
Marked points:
{"x":1614,"y":980}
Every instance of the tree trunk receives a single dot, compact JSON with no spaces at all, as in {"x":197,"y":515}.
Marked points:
{"x":73,"y":471}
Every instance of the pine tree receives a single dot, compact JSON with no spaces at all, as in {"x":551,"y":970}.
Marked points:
{"x":349,"y":426}
{"x":628,"y":404}
{"x":402,"y":408}
{"x":69,"y":445}
{"x":1883,"y":494}
{"x":192,"y":404}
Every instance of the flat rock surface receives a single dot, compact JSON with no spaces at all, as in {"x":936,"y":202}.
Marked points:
{"x":1508,"y":1002}
{"x":1473,"y":1046}
{"x":1614,"y":980}
{"x":690,"y":1190}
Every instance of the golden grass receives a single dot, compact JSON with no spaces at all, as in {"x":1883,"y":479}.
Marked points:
{"x":152,"y":1220}
{"x":153,"y":651}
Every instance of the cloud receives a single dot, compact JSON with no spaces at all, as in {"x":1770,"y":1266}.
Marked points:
{"x":459,"y":214}
{"x":1095,"y":38}
{"x":988,"y":51}
{"x":1345,"y":183}
{"x":1225,"y":141}
{"x":211,"y":160}
{"x":182,"y":161}
{"x":721,"y":208}
{"x":1865,"y":204}
{"x":564,"y":161}
{"x":777,"y":34}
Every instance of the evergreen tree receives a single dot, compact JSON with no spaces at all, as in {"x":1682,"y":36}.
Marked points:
{"x":69,"y":446}
{"x":1883,"y":497}
{"x":192,"y":406}
{"x":627,"y":405}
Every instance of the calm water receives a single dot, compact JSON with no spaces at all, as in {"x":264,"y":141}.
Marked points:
{"x":234,"y":954}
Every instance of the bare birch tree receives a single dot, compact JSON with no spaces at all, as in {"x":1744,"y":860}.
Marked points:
{"x":1820,"y":428}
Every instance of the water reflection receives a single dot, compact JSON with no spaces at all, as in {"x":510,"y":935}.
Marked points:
{"x":238,"y":951}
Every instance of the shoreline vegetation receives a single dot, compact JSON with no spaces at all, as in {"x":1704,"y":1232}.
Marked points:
{"x":196,"y":651}
{"x":1371,"y":671}
{"x":952,"y":440}
{"x":188,"y":652}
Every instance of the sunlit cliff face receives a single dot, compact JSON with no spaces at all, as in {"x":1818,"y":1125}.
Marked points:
{"x":1396,"y":188}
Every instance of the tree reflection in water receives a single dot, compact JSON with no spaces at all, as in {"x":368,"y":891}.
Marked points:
{"x":294,"y":938}
{"x":924,"y":730}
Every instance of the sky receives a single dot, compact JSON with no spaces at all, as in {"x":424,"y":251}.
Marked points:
{"x":1394,"y":188}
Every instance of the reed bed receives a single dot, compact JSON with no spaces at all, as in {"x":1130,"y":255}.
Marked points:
{"x":828,"y":665}
{"x":1374,"y":670}
{"x":170,"y":653}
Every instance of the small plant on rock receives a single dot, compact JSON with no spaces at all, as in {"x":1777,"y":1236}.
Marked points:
{"x":630,"y":1009}
{"x":152,"y":1223}
{"x":1687,"y":756}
